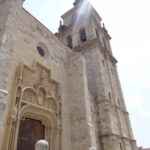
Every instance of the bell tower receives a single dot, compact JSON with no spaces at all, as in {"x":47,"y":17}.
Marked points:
{"x":84,"y":33}
{"x":76,"y":28}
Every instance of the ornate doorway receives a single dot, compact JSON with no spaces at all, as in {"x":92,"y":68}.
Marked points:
{"x":36,"y":96}
{"x":30,"y":132}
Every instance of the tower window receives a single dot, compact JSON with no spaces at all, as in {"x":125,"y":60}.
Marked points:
{"x":69,"y":41}
{"x":83,"y":37}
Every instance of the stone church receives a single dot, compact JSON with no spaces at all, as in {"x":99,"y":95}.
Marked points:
{"x":62,"y":87}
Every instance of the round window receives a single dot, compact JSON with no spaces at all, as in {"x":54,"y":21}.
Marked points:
{"x":41,"y":51}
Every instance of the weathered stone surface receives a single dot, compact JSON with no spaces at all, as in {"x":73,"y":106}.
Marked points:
{"x":75,"y":93}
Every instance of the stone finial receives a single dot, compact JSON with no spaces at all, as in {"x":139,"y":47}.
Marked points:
{"x":42,"y":145}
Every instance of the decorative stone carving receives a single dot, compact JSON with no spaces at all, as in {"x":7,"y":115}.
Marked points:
{"x":12,"y":118}
{"x":38,"y":87}
{"x":35,"y":96}
{"x":41,"y":96}
{"x":51,"y":103}
{"x":29,"y":95}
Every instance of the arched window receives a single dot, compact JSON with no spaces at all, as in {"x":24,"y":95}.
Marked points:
{"x":83,"y":37}
{"x":69,"y":41}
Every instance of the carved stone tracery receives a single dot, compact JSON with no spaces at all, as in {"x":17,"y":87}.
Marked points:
{"x":38,"y":87}
{"x":35,"y":92}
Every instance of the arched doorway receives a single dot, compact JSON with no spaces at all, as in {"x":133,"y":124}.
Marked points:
{"x":34,"y":124}
{"x":36,"y":106}
{"x":30,"y":131}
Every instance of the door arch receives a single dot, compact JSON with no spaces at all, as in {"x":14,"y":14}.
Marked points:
{"x":30,"y":131}
{"x":45,"y":122}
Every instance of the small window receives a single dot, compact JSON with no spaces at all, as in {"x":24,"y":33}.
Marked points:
{"x":69,"y":41}
{"x":41,"y":51}
{"x":83,"y":37}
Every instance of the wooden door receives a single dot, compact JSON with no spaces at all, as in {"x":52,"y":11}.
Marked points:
{"x":29,"y":133}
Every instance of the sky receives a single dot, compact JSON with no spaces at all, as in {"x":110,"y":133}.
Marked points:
{"x":128,"y":22}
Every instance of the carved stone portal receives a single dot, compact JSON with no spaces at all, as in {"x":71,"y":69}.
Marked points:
{"x":36,"y":99}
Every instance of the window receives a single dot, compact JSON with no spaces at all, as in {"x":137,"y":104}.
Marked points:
{"x":83,"y":37}
{"x":69,"y":41}
{"x":41,"y":51}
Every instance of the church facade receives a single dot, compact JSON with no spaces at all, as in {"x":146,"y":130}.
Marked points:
{"x":61,"y":87}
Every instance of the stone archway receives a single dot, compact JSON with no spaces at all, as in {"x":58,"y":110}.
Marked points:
{"x":36,"y":98}
{"x":43,"y":124}
{"x":30,"y":131}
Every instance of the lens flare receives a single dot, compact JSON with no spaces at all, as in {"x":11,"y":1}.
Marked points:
{"x":83,"y":14}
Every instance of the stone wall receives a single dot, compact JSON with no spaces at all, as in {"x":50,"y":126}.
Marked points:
{"x":22,"y":35}
{"x":93,"y":113}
